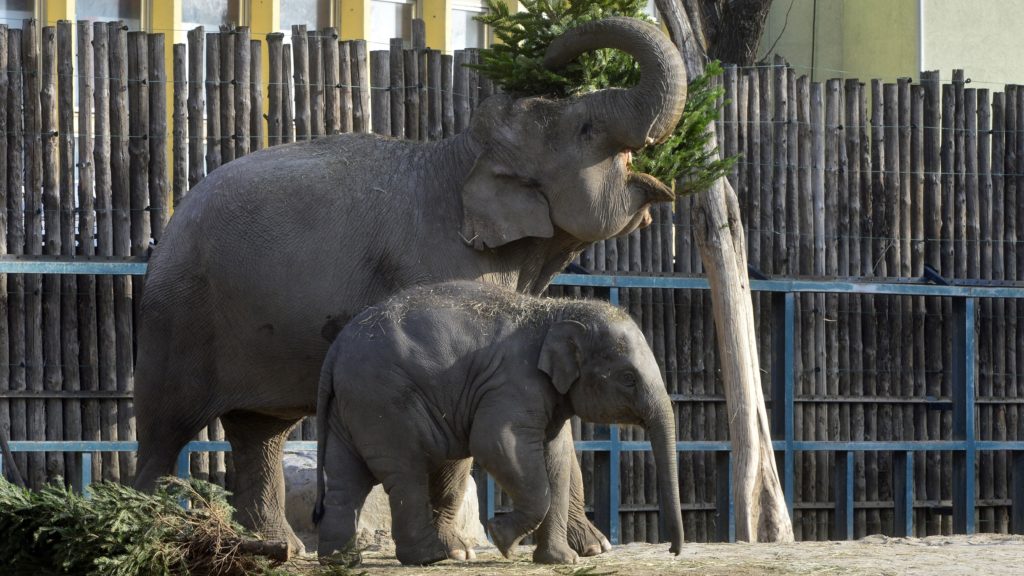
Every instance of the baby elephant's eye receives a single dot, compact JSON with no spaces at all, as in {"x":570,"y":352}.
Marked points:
{"x":628,"y":378}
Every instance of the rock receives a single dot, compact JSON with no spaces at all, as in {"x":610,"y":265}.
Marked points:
{"x":375,"y":518}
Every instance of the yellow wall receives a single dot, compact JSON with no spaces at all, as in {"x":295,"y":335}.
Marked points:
{"x":982,"y":36}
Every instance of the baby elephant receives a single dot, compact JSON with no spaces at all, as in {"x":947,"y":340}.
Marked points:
{"x":415,"y":386}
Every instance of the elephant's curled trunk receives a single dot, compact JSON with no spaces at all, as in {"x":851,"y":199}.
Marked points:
{"x":652,"y":107}
{"x":661,"y":429}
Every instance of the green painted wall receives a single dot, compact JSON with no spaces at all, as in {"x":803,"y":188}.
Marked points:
{"x":851,"y":38}
{"x":984,"y":37}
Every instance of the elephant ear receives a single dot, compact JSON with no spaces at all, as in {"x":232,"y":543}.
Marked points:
{"x":560,"y":356}
{"x":500,"y":206}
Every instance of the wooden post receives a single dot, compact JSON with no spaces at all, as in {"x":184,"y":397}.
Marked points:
{"x":256,"y":132}
{"x":918,"y":414}
{"x":411,"y":95}
{"x":213,"y":136}
{"x":447,"y":97}
{"x":16,"y":239}
{"x":460,"y":92}
{"x":275,"y":47}
{"x":360,"y":87}
{"x":287,"y":117}
{"x":381,"y":106}
{"x":331,"y":82}
{"x":227,"y":95}
{"x":994,"y":241}
{"x":5,"y":384}
{"x":801,"y":257}
{"x":70,"y":369}
{"x":157,"y":136}
{"x":345,"y":79}
{"x":435,"y":96}
{"x":396,"y":89}
{"x":775,"y":243}
{"x":121,"y":207}
{"x":243,"y":91}
{"x":86,"y":302}
{"x":105,"y":246}
{"x":316,"y":85}
{"x":51,"y":353}
{"x":195,"y":104}
{"x":33,"y":245}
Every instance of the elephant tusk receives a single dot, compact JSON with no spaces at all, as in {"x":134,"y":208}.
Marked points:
{"x":468,"y":241}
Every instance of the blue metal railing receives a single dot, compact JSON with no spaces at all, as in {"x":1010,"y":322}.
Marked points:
{"x":964,"y":446}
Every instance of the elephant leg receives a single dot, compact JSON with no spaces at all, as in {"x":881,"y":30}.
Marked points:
{"x":447,"y":488}
{"x":165,"y":425}
{"x":349,"y":481}
{"x":583,"y":537}
{"x":518,"y":465}
{"x":257,"y":448}
{"x":417,"y":542}
{"x":552,"y":543}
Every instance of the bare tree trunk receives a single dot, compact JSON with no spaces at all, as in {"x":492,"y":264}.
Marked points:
{"x":759,"y":505}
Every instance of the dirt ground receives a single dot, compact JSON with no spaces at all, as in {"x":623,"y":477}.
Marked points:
{"x":984,"y":554}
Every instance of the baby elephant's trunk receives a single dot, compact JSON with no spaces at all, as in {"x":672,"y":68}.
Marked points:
{"x":661,"y":429}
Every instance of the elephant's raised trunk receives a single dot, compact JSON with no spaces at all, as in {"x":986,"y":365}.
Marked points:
{"x":661,"y":429}
{"x":652,"y":107}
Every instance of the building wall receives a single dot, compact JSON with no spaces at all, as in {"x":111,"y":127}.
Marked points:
{"x":845,"y":38}
{"x":981,"y":36}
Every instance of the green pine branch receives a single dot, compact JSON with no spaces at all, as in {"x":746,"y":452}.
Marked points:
{"x":516,"y":64}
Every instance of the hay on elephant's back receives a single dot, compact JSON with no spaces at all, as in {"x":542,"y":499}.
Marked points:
{"x":120,"y":531}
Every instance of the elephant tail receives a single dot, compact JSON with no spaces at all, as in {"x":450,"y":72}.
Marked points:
{"x":324,"y":396}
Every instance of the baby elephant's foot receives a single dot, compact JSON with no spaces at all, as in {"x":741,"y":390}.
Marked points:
{"x":504,"y":534}
{"x":421,"y":556}
{"x":560,"y":554}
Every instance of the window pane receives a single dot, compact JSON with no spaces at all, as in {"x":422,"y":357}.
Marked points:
{"x":315,"y":14}
{"x":211,"y":13}
{"x":389,"y":20}
{"x":12,"y":12}
{"x":110,"y":10}
{"x":466,"y":31}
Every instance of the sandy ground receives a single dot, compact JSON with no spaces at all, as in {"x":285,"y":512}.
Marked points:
{"x":984,"y":554}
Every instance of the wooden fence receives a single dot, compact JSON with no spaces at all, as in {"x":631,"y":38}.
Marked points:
{"x":836,"y":179}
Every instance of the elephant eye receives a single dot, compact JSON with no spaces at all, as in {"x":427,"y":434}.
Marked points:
{"x":628,"y":378}
{"x":586,"y":130}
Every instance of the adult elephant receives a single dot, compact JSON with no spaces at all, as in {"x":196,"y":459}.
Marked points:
{"x":270,"y":255}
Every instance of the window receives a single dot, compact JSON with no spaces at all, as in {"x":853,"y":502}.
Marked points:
{"x":12,"y":12}
{"x":130,"y":11}
{"x":315,"y":14}
{"x":209,"y":13}
{"x":466,"y":31}
{"x":390,"y":19}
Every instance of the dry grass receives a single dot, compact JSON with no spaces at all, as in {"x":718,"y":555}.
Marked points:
{"x":985,"y":554}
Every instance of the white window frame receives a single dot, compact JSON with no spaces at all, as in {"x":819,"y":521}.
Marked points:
{"x":478,"y":7}
{"x":417,"y":11}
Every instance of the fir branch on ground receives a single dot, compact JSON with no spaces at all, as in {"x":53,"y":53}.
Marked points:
{"x":123,"y":532}
{"x":516,"y":64}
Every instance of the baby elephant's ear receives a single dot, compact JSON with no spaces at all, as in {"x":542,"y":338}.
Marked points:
{"x":560,"y":356}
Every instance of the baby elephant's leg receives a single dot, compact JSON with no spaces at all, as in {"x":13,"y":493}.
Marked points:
{"x":552,"y":543}
{"x":447,"y":488}
{"x":412,"y":518}
{"x":348,"y":483}
{"x":518,"y":465}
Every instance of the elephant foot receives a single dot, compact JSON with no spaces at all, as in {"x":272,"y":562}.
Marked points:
{"x":421,"y":556}
{"x":555,"y":555}
{"x":504,"y":534}
{"x":282,"y":533}
{"x":458,"y":548}
{"x":585,"y":538}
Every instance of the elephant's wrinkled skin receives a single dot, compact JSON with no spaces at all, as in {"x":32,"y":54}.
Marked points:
{"x":271,"y":254}
{"x":442,"y":373}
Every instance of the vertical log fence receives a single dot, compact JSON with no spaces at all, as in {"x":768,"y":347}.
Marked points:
{"x":887,"y":385}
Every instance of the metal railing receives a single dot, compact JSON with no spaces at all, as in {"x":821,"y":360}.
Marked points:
{"x":964,"y":446}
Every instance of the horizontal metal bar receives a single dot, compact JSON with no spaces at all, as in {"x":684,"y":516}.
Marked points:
{"x":51,"y":265}
{"x":67,"y":394}
{"x":583,"y":445}
{"x":885,"y":286}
